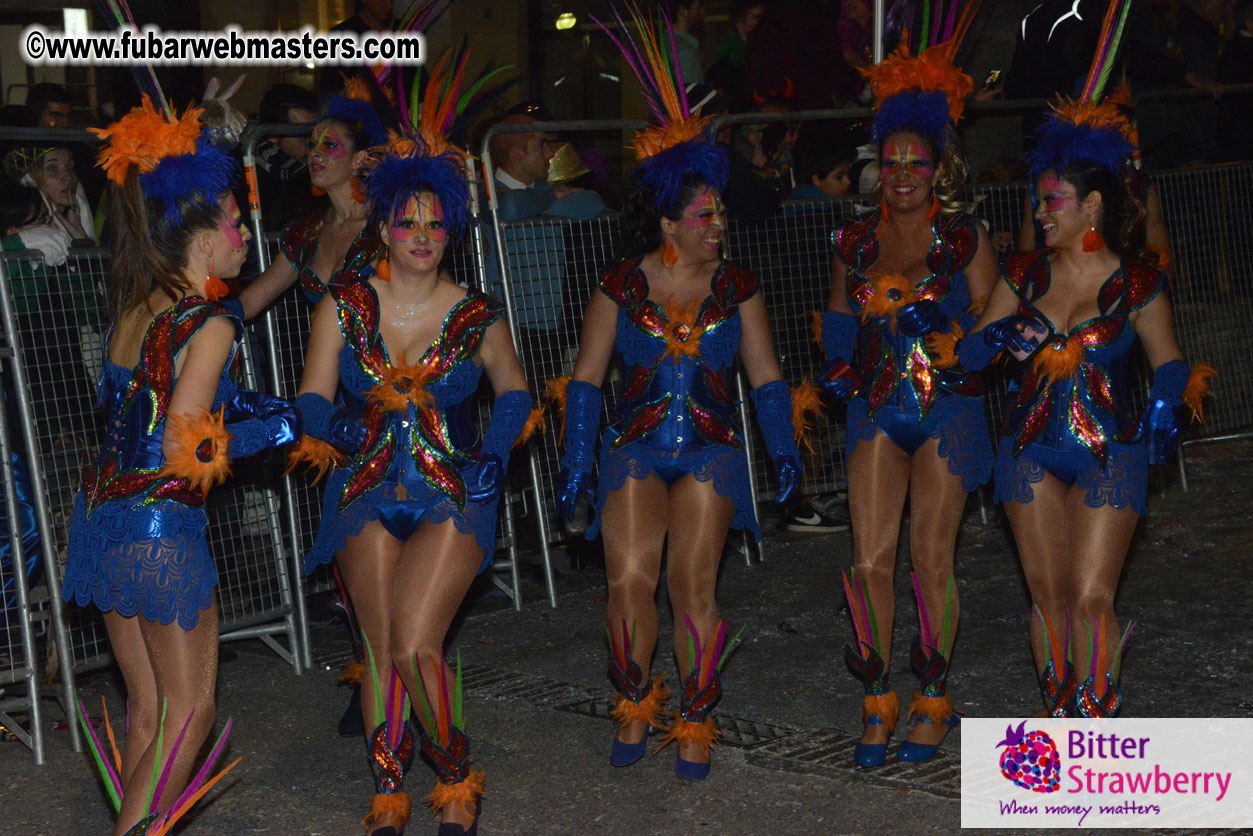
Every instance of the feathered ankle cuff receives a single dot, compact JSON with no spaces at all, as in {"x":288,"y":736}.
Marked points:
{"x":647,"y":710}
{"x":465,"y":793}
{"x":937,"y":709}
{"x":387,"y":804}
{"x":704,"y":734}
{"x":884,"y":706}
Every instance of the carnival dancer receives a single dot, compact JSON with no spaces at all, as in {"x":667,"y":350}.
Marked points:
{"x":672,"y":468}
{"x":410,"y":516}
{"x":137,"y":547}
{"x":918,"y":265}
{"x":1072,"y":461}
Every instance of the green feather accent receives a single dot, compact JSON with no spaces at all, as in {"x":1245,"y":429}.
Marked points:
{"x":414,"y":100}
{"x":428,"y":717}
{"x":874,"y":625}
{"x":374,"y":677}
{"x":156,"y":761}
{"x":98,"y":756}
{"x":477,"y":86}
{"x":950,"y":592}
{"x":731,"y":645}
{"x":924,"y":32}
{"x":458,"y":717}
{"x":1110,"y":63}
{"x":691,"y":652}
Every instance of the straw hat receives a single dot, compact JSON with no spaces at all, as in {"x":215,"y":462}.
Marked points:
{"x":565,"y":165}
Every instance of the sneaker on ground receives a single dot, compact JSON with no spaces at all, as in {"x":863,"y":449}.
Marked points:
{"x":817,"y":517}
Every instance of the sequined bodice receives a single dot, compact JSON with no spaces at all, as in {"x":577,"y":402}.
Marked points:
{"x":300,"y":245}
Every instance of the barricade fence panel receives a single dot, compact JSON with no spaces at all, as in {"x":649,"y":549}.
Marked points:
{"x":61,"y":338}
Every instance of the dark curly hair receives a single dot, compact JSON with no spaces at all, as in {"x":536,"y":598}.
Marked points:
{"x":1123,"y":196}
{"x":641,"y":217}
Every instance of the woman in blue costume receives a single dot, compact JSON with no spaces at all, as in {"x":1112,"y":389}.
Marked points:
{"x":137,"y":546}
{"x":914,"y":268}
{"x":1072,"y":462}
{"x":332,"y":244}
{"x":410,"y":517}
{"x":672,"y":468}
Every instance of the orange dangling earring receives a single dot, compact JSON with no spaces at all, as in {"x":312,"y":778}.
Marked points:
{"x":935,"y":208}
{"x":1092,"y":240}
{"x":215,"y":288}
{"x":883,"y":219}
{"x":317,"y":191}
{"x":384,"y":269}
{"x":669,"y":255}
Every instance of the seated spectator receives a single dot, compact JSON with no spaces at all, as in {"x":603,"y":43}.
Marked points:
{"x":52,"y":171}
{"x":521,"y":177}
{"x":822,"y":161}
{"x":282,"y":162}
{"x":51,"y":105}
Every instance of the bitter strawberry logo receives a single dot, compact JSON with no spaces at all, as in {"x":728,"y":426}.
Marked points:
{"x":1031,"y":760}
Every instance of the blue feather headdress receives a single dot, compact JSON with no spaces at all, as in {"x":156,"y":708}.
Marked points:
{"x":1088,"y":129}
{"x":176,"y":159}
{"x":408,"y":167}
{"x":361,"y":115}
{"x":680,"y":149}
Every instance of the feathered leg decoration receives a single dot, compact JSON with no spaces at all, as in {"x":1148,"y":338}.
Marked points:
{"x":929,"y":656}
{"x":701,"y":690}
{"x":638,"y":701}
{"x":445,"y":744}
{"x":389,"y":748}
{"x":1059,"y":694}
{"x":155,"y":822}
{"x":880,"y":707}
{"x":1109,"y":702}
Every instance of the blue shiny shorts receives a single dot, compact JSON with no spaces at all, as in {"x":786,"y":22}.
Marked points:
{"x":1123,"y":481}
{"x":957,"y":421}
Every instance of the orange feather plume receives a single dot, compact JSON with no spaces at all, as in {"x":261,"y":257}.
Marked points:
{"x":1097,"y":115}
{"x":884,"y":706}
{"x":144,"y":137}
{"x":682,"y":334}
{"x":316,"y":454}
{"x":1197,"y":389}
{"x":815,"y":326}
{"x":1059,"y":360}
{"x":402,"y":385}
{"x":806,"y":401}
{"x":943,"y":347}
{"x":658,"y":138}
{"x":464,"y":793}
{"x":199,"y":448}
{"x":646,"y":710}
{"x":535,"y":423}
{"x":889,"y":291}
{"x":932,"y":71}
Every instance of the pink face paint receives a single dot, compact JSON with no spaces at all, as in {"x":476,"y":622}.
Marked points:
{"x":1055,"y":194}
{"x":329,"y":142}
{"x":420,"y":212}
{"x":232,"y":222}
{"x":907,"y":154}
{"x":706,"y":210}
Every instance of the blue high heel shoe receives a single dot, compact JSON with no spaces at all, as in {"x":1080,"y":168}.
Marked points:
{"x":625,"y":754}
{"x":910,"y":751}
{"x":871,"y":754}
{"x":691,"y":770}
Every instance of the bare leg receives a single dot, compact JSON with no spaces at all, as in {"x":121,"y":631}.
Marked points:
{"x":937,"y":501}
{"x":634,"y":524}
{"x":142,"y":710}
{"x":184,"y":666}
{"x":437,"y":565}
{"x":694,"y":553}
{"x":1098,"y":539}
{"x":1040,"y":528}
{"x":878,"y":481}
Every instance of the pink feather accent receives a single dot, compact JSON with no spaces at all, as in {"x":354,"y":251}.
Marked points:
{"x":922,"y":612}
{"x":207,"y":767}
{"x":169,"y":763}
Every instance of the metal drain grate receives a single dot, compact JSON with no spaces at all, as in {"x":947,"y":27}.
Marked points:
{"x":736,"y":731}
{"x":332,"y":660}
{"x":829,"y":753}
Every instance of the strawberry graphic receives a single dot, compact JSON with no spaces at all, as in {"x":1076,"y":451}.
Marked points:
{"x":1031,"y":760}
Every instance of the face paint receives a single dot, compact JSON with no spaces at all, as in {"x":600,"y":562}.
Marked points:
{"x":908,"y":155}
{"x":329,"y":142}
{"x":706,"y":210}
{"x":232,"y":222}
{"x":420,"y":212}
{"x":1055,"y":194}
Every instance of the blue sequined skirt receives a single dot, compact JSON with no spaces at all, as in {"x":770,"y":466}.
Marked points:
{"x":148,"y":560}
{"x":956,"y":420}
{"x":725,"y":467}
{"x":420,"y":505}
{"x":1122,"y":483}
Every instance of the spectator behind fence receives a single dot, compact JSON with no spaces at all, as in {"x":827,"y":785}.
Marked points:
{"x":282,"y":162}
{"x":368,"y":16}
{"x":1235,"y":66}
{"x":726,"y":74}
{"x":53,"y":172}
{"x":536,"y":254}
{"x":687,"y":17}
{"x":822,"y":160}
{"x":794,"y":50}
{"x":52,"y":106}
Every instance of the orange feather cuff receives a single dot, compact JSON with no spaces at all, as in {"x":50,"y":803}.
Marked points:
{"x":806,"y":401}
{"x":316,"y":454}
{"x":1197,"y":389}
{"x":884,"y":706}
{"x":646,"y":710}
{"x":464,"y":792}
{"x":199,"y":449}
{"x":936,"y":709}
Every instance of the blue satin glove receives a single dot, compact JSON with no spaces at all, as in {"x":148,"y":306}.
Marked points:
{"x":1161,"y":420}
{"x":576,"y":493}
{"x":922,"y":317}
{"x":839,"y":380}
{"x":1008,"y":334}
{"x":334,"y":425}
{"x":788,"y":469}
{"x":257,"y":421}
{"x":485,"y":479}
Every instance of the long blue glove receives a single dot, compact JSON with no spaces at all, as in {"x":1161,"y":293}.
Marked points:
{"x":922,"y":317}
{"x":486,"y":478}
{"x":1161,"y":418}
{"x":332,"y":424}
{"x":975,"y":351}
{"x":774,"y":416}
{"x":576,"y":484}
{"x":257,"y":421}
{"x":839,"y":336}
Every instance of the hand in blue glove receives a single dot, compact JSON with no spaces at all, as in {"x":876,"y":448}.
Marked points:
{"x":923,"y":317}
{"x":1021,"y":336}
{"x":575,"y":496}
{"x":788,"y":470}
{"x":485,"y":479}
{"x":1161,"y":427}
{"x":839,"y":380}
{"x":344,"y":432}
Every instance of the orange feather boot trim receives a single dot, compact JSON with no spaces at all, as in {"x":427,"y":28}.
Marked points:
{"x":937,"y":709}
{"x":390,"y":804}
{"x":646,"y":710}
{"x":704,"y":735}
{"x":884,"y":706}
{"x":319,"y":456}
{"x":465,"y":793}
